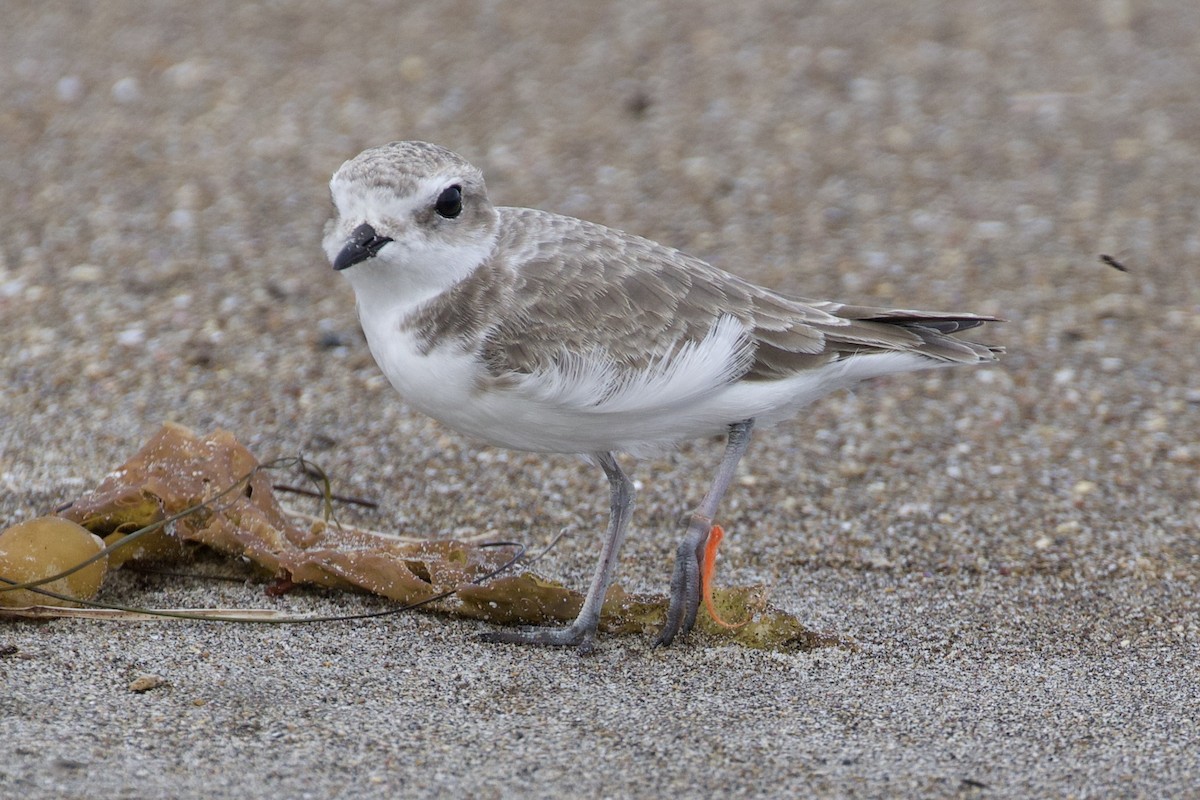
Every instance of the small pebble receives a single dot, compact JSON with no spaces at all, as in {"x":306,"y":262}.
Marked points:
{"x":69,"y":89}
{"x":126,"y":90}
{"x":144,"y":683}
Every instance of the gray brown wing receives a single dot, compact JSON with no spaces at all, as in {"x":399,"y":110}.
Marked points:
{"x":585,"y":289}
{"x":582,"y":288}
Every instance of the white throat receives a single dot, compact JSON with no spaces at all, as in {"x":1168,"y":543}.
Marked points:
{"x":403,"y":277}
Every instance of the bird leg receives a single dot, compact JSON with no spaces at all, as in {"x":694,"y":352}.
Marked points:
{"x":685,"y":581}
{"x":582,"y":632}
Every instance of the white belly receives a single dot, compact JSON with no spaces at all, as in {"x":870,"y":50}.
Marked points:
{"x":588,"y":410}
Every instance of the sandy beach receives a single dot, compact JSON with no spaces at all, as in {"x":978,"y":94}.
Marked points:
{"x":1013,"y":550}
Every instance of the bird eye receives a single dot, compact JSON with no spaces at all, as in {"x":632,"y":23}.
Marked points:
{"x":449,"y":202}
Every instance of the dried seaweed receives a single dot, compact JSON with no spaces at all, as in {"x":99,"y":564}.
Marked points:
{"x":178,"y":470}
{"x":212,"y":491}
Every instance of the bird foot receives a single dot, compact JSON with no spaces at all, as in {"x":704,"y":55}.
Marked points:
{"x":582,"y":637}
{"x":685,"y":582}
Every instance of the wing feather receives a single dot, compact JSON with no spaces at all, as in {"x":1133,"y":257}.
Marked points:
{"x":585,"y":297}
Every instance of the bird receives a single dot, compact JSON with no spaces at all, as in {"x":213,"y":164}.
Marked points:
{"x":540,"y":332}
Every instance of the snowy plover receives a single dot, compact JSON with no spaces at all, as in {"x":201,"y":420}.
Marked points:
{"x":540,"y":332}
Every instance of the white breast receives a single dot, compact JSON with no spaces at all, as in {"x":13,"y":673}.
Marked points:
{"x":586,"y":407}
{"x":441,"y":383}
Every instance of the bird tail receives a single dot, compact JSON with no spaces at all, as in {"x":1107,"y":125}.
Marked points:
{"x":935,"y":330}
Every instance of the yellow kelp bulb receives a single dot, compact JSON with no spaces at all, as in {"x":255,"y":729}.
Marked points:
{"x":39,"y":548}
